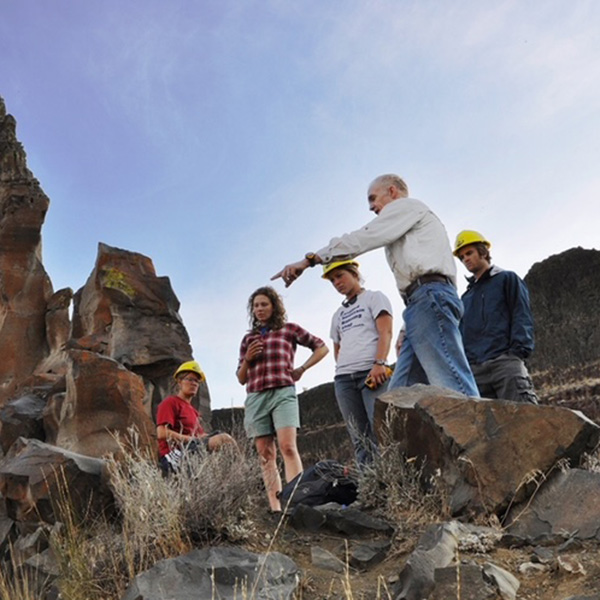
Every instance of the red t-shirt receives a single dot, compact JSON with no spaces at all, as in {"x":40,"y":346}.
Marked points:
{"x":181,"y":417}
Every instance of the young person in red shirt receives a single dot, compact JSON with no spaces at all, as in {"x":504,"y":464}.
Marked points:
{"x":266,"y":367}
{"x":179,"y":427}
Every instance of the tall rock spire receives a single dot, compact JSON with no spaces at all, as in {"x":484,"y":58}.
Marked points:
{"x":24,"y":284}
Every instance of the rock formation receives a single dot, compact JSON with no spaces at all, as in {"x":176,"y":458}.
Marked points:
{"x":24,"y":285}
{"x":78,"y":385}
{"x":127,"y":313}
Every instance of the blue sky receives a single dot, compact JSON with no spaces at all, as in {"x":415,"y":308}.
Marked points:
{"x":225,"y":139}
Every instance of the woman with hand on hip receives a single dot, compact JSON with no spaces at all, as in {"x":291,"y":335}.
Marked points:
{"x":361,"y":330}
{"x":266,"y":367}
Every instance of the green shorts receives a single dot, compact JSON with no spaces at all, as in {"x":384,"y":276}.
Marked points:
{"x":271,"y":410}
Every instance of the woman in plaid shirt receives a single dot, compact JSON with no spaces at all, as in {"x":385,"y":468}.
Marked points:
{"x":266,"y":367}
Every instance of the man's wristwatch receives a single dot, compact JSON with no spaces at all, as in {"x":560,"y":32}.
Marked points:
{"x":311,"y":258}
{"x":381,"y":362}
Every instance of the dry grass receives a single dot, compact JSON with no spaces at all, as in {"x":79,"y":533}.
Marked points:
{"x":208,"y":502}
{"x":400,"y":489}
{"x":17,"y":583}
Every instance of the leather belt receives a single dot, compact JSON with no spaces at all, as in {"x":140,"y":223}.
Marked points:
{"x":419,"y":281}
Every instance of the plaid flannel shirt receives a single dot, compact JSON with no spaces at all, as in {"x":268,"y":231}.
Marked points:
{"x":273,"y":368}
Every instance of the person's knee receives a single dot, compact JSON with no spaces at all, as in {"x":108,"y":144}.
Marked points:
{"x":267,"y":452}
{"x":288,"y":449}
{"x":216,"y":442}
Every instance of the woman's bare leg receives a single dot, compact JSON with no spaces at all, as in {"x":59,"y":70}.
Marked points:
{"x":286,"y":439}
{"x":267,"y":451}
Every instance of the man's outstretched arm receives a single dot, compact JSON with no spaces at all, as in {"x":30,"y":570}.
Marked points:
{"x":291,"y":272}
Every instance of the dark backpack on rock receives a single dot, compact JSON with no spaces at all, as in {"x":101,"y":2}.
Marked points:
{"x":326,"y":481}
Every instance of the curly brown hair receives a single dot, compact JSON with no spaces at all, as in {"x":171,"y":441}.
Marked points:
{"x":278,"y":318}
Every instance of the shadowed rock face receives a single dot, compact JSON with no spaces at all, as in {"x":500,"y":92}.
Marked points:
{"x":565,"y":300}
{"x":21,"y":417}
{"x":24,"y":285}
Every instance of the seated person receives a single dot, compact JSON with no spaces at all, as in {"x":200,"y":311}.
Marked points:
{"x":178,"y":423}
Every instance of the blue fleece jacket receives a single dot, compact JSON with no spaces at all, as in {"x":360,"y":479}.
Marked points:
{"x":497,"y":317}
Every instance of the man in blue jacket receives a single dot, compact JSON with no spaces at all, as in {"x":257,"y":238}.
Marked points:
{"x":497,"y":325}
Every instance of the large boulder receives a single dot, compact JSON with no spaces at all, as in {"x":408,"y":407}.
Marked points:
{"x":103,"y":399}
{"x":24,"y":285}
{"x":37,"y":481}
{"x":128,"y":313}
{"x":223,"y":572}
{"x":488,"y":453}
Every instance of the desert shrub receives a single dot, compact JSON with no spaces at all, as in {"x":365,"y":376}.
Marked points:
{"x":399,"y":488}
{"x":218,"y":491}
{"x":206,"y":501}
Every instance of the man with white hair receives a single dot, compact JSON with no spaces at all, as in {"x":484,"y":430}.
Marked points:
{"x":418,"y":252}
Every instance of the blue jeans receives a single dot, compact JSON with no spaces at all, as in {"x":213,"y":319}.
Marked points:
{"x":432,"y":351}
{"x":357,"y":405}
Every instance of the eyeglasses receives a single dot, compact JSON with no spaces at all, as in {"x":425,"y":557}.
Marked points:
{"x":191,"y":380}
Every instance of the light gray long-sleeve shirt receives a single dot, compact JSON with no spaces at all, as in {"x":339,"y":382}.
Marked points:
{"x":415,"y":241}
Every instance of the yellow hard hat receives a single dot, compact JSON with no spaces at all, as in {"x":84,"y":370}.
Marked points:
{"x":466,"y":237}
{"x":190,"y":366}
{"x":334,"y":265}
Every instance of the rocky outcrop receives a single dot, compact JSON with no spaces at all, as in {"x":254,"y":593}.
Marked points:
{"x":80,"y":384}
{"x":124,"y":312}
{"x":565,"y":300}
{"x":24,"y":285}
{"x":128,"y":313}
{"x":323,"y":433}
